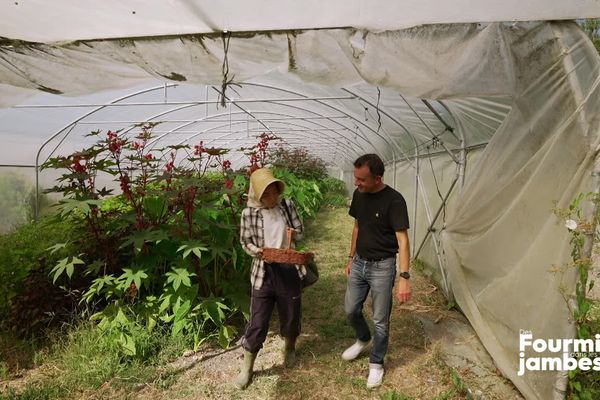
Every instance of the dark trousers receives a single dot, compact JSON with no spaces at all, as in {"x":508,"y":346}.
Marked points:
{"x":281,"y":286}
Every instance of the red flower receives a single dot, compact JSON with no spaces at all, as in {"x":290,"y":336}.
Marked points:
{"x":199,"y":148}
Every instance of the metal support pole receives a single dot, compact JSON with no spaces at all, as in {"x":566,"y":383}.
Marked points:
{"x":194,"y":102}
{"x":431,"y":230}
{"x":428,"y":128}
{"x":394,"y":169}
{"x":415,"y":207}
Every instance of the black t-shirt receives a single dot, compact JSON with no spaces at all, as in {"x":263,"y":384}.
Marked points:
{"x":380,"y":215}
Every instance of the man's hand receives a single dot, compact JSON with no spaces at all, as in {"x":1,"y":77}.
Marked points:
{"x":403,"y":290}
{"x":348,"y":268}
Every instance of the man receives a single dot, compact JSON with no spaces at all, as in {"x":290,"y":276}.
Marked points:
{"x":379,"y":244}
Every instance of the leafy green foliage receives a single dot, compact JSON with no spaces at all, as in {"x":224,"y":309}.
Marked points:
{"x":23,"y":252}
{"x":583,"y":385}
{"x":334,"y":192}
{"x":161,"y":248}
{"x":165,"y":252}
{"x":393,"y":395}
{"x":591,"y":26}
{"x":306,"y":193}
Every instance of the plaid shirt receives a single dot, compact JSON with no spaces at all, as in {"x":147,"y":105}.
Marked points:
{"x":252,"y":238}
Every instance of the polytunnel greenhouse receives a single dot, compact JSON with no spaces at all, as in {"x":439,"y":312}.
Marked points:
{"x":486,"y":116}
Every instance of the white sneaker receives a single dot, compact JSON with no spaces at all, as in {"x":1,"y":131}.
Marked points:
{"x":375,"y":376}
{"x":354,"y":351}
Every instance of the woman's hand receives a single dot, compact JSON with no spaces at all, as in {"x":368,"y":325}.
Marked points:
{"x":290,"y":235}
{"x":291,"y":232}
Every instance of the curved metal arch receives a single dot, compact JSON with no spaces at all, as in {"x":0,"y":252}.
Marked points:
{"x":314,"y":112}
{"x":334,"y":152}
{"x":302,"y":96}
{"x":327,"y":105}
{"x":175,"y":109}
{"x":334,"y":139}
{"x":361,"y":135}
{"x":186,"y":124}
{"x":72,"y":125}
{"x":429,"y":129}
{"x":208,"y":118}
{"x":230,"y":133}
{"x":387,"y":114}
{"x":242,"y":122}
{"x":154,"y":116}
{"x":330,"y":139}
{"x":401,"y":125}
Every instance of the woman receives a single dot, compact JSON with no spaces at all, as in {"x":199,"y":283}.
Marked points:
{"x":265,"y":224}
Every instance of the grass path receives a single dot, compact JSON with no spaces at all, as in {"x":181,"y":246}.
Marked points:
{"x":414,"y":367}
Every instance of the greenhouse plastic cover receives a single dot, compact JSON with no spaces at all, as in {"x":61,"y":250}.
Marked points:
{"x":62,"y":20}
{"x":521,"y":97}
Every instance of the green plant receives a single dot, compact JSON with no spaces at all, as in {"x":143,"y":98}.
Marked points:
{"x":393,"y":395}
{"x":584,"y":385}
{"x":165,"y":251}
{"x":23,"y":258}
{"x":334,"y":192}
{"x":161,"y":251}
{"x":34,"y":392}
{"x":105,"y":364}
{"x":306,"y":193}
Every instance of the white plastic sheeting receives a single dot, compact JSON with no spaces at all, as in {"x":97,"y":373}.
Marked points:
{"x":530,"y":89}
{"x":64,"y":20}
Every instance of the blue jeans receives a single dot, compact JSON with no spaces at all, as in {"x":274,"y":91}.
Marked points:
{"x":379,"y":277}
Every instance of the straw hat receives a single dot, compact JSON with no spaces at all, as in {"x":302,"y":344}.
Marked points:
{"x":260,"y":179}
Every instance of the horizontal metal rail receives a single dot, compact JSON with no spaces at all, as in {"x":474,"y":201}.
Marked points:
{"x":170,"y":103}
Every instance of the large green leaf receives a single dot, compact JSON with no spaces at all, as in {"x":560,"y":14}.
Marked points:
{"x":138,"y":239}
{"x":65,"y":265}
{"x":214,"y":310}
{"x":134,"y":275}
{"x":68,"y":206}
{"x":179,"y":276}
{"x":194,"y":247}
{"x":226,"y":335}
{"x":155,"y":207}
{"x":127,"y":344}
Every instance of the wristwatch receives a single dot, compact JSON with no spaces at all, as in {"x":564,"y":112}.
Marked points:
{"x":405,"y":275}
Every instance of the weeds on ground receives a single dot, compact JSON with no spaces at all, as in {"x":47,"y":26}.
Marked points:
{"x":393,"y":395}
{"x":85,"y":358}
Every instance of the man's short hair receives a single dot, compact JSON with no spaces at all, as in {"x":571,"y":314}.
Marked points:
{"x":372,"y":161}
